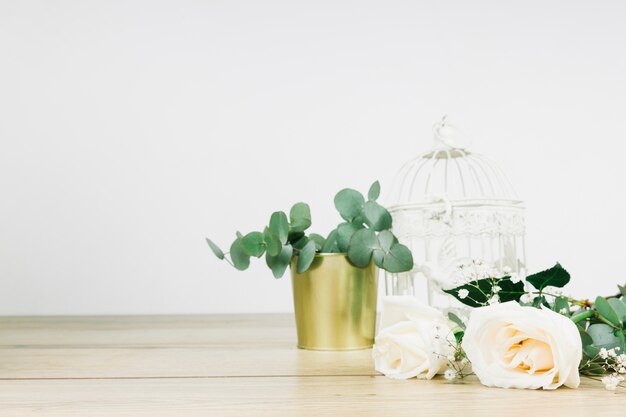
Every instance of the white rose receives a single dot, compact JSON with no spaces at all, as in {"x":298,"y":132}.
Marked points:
{"x":414,"y":340}
{"x":511,"y":346}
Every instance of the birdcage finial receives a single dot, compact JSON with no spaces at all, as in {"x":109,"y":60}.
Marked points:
{"x":447,"y":135}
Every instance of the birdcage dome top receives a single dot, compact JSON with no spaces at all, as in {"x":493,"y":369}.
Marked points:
{"x":451,"y":171}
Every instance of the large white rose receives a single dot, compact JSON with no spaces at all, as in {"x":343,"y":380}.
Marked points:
{"x":511,"y":346}
{"x":414,"y":340}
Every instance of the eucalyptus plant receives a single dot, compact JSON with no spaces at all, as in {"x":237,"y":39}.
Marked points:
{"x":364,"y":235}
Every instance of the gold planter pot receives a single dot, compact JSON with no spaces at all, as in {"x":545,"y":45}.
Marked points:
{"x":335,"y":303}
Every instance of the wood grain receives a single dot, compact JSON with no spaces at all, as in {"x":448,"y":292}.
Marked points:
{"x":232,"y":366}
{"x":296,"y":396}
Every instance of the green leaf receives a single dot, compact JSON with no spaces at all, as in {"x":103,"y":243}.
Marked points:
{"x":362,"y":245}
{"x":331,"y":243}
{"x":603,"y":336}
{"x":253,"y":244}
{"x":622,"y":339}
{"x":294,"y":236}
{"x":241,"y":260}
{"x":344,"y":234}
{"x":378,"y":256}
{"x":606,"y":310}
{"x":480,"y":291}
{"x":386,"y":240}
{"x":319,"y":241}
{"x":272,"y":243}
{"x":306,"y":256}
{"x":279,"y":226}
{"x":585,"y":339}
{"x":216,"y":250}
{"x":300,"y":217}
{"x":622,"y":290}
{"x":454,"y":318}
{"x":279,"y":263}
{"x":556,"y":276}
{"x":300,"y":243}
{"x":510,"y":291}
{"x":398,"y":259}
{"x":349,"y":203}
{"x":374,"y":191}
{"x":561,"y":304}
{"x":376,"y":216}
{"x":359,"y":220}
{"x":620,"y":308}
{"x":590,"y":350}
{"x":539,"y":301}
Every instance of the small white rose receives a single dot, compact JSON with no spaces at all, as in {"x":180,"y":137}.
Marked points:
{"x":414,"y":340}
{"x":511,"y":346}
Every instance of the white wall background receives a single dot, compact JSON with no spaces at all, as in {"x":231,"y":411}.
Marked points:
{"x":129,"y":130}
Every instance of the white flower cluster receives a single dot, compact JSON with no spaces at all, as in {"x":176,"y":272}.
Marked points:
{"x":613,"y":363}
{"x":612,"y":381}
{"x":474,"y":270}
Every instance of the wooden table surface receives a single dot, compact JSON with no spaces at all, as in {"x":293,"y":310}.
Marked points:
{"x":233,"y":365}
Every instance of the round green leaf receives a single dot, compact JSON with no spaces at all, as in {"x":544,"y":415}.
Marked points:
{"x":603,"y":336}
{"x":399,"y":259}
{"x":344,"y":234}
{"x":216,"y":250}
{"x":374,"y":191}
{"x":362,"y":245}
{"x":376,"y":216}
{"x":330,"y":244}
{"x":305,"y":257}
{"x":272,"y":243}
{"x":300,"y":217}
{"x":240,"y":259}
{"x":349,"y":203}
{"x":300,"y":243}
{"x":606,"y":310}
{"x":386,"y":240}
{"x":379,"y":257}
{"x":620,"y":308}
{"x":253,"y":244}
{"x":294,"y":236}
{"x":318,"y":239}
{"x":279,"y":263}
{"x":279,"y":226}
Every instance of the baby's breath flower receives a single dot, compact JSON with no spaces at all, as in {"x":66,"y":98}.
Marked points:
{"x":494,"y":299}
{"x":612,"y":381}
{"x":612,"y":353}
{"x":603,"y":353}
{"x":515,"y":278}
{"x":506,"y":270}
{"x":496,"y":289}
{"x":463,"y":293}
{"x":450,"y":374}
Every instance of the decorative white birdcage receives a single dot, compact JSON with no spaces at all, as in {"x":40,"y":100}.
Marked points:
{"x":458,"y":213}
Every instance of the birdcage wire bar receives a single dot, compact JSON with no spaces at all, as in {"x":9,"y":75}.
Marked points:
{"x":452,"y":206}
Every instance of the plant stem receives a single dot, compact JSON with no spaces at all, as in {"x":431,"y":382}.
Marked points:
{"x":583,"y":316}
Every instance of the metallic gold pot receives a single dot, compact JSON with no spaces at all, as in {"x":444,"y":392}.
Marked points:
{"x":335,"y":303}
